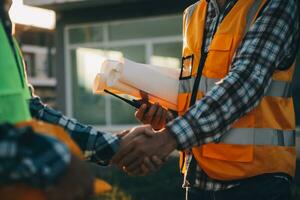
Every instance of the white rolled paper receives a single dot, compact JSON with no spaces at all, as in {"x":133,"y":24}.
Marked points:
{"x":100,"y":84}
{"x":128,"y":77}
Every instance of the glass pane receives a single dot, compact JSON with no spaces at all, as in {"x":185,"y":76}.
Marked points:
{"x":87,"y":107}
{"x":146,"y":28}
{"x":167,"y":55}
{"x":122,"y":113}
{"x":134,"y":53}
{"x":30,"y":64}
{"x":86,"y":34}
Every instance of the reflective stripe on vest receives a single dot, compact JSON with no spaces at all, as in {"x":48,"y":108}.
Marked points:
{"x":259,"y":136}
{"x":276,"y":88}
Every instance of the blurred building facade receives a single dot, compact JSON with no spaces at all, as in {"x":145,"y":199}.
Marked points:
{"x":38,"y":50}
{"x":147,"y":31}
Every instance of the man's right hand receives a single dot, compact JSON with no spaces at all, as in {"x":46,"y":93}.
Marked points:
{"x":155,"y":116}
{"x":141,"y":144}
{"x":76,"y":184}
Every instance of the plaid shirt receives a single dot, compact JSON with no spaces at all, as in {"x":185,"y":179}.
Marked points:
{"x":30,"y":158}
{"x":37,"y":159}
{"x":270,"y":43}
{"x":97,"y":146}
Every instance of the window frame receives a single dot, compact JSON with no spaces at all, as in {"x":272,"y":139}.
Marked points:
{"x":106,"y":44}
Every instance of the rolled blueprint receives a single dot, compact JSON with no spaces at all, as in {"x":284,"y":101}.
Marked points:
{"x":128,"y":77}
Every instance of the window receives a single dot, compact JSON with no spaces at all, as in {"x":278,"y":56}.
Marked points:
{"x":88,"y":34}
{"x":39,"y":65}
{"x":29,"y":59}
{"x":157,"y":27}
{"x":36,"y":61}
{"x":167,"y":54}
{"x":154,"y":40}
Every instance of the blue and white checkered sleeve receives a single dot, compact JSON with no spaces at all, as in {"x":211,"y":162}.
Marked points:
{"x":30,"y":158}
{"x":97,"y":146}
{"x":181,"y":129}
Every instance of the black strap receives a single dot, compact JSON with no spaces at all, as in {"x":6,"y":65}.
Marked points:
{"x":200,"y":67}
{"x":198,"y":78}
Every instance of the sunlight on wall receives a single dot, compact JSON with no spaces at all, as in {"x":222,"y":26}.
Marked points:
{"x":32,"y":16}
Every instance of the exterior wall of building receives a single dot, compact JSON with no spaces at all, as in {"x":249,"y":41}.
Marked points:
{"x":39,"y":55}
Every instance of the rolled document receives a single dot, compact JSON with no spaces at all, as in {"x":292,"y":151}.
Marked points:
{"x":128,"y":77}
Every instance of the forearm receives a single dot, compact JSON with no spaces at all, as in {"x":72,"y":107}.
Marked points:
{"x":31,"y":158}
{"x":97,"y":146}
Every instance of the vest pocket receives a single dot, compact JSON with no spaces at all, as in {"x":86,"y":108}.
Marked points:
{"x":187,"y":67}
{"x":218,"y":58}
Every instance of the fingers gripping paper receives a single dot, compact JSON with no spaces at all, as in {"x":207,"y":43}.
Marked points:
{"x":128,"y":77}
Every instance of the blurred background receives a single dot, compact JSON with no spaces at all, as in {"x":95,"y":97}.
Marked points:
{"x":63,"y":46}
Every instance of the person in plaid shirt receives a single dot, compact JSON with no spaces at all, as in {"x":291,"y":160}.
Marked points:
{"x":272,"y":40}
{"x":42,"y":161}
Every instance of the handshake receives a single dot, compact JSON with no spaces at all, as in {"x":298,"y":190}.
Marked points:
{"x":142,"y":149}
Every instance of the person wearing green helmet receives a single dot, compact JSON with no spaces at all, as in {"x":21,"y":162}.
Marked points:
{"x":37,"y":160}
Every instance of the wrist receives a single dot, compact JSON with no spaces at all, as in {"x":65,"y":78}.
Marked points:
{"x":168,"y":139}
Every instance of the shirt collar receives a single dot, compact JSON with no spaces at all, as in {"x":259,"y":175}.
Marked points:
{"x":216,"y":6}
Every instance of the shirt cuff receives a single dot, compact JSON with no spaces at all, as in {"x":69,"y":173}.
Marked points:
{"x":183,"y":132}
{"x":106,"y":146}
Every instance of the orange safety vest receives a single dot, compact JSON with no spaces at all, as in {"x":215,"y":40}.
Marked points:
{"x":263,"y":141}
{"x":21,"y":191}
